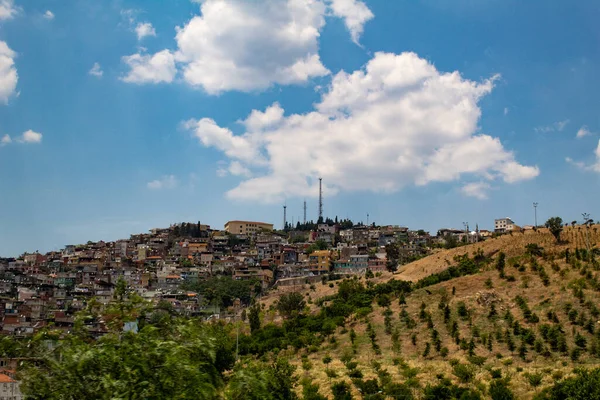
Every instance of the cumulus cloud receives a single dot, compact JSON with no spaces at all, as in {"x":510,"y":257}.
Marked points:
{"x":8,"y":72}
{"x":555,"y":127}
{"x":6,"y":139}
{"x":583,"y":132}
{"x":165,"y":182}
{"x":476,"y":189}
{"x":49,"y":15}
{"x":355,"y":14}
{"x":96,"y":71}
{"x":30,"y":137}
{"x":399,"y":121}
{"x":593,"y":167}
{"x":144,"y":29}
{"x":156,"y":68}
{"x":7,"y":9}
{"x":249,"y":46}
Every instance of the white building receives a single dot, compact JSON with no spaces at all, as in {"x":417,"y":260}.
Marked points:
{"x":9,"y":388}
{"x":503,"y":225}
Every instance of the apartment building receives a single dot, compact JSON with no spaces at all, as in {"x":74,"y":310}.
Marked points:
{"x":247,"y":227}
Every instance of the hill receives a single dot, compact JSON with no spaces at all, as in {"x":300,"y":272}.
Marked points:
{"x":519,"y":311}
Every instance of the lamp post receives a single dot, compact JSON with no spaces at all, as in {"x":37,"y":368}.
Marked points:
{"x":535,"y":204}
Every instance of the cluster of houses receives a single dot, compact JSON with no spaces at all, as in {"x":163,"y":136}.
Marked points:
{"x":37,"y":289}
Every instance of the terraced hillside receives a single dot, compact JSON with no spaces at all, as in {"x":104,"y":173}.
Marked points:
{"x":515,"y":313}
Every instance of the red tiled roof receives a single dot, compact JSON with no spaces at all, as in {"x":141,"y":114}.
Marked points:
{"x":6,"y":379}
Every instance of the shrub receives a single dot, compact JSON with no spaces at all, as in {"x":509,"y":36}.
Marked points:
{"x":465,"y":373}
{"x":583,"y":386}
{"x":341,"y":391}
{"x":499,"y":390}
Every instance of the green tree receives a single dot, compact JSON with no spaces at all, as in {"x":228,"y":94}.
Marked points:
{"x":583,"y":386}
{"x":341,"y":391}
{"x":291,"y":304}
{"x":255,"y":380}
{"x":499,"y":390}
{"x":555,"y":225}
{"x":254,"y":318}
{"x":182,"y":362}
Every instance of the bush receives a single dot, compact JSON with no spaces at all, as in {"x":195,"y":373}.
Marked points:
{"x":341,"y":391}
{"x":585,"y":385}
{"x":499,"y":390}
{"x":465,"y":373}
{"x":399,"y":391}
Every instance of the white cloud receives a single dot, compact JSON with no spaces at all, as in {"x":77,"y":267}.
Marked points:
{"x":7,"y":9}
{"x":96,"y":71}
{"x":165,"y":182}
{"x":583,"y":132}
{"x":595,"y":167}
{"x":476,"y":189}
{"x":144,"y":29}
{"x":506,"y":110}
{"x":398,"y":121}
{"x":49,"y":15}
{"x":235,"y":168}
{"x":240,"y":45}
{"x":249,"y":46}
{"x":6,"y":139}
{"x":30,"y":137}
{"x":355,"y":14}
{"x":8,"y":72}
{"x":157,"y":68}
{"x":557,"y":126}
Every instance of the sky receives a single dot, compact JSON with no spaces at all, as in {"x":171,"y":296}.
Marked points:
{"x":119,"y":116}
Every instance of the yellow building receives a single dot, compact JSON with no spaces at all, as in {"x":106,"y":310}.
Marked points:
{"x":319,"y":261}
{"x":246,"y":227}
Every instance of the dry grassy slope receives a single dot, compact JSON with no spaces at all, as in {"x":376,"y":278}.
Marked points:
{"x":528,"y":284}
{"x":511,"y":245}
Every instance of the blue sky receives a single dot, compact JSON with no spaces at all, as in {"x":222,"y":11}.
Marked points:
{"x":226,"y":109}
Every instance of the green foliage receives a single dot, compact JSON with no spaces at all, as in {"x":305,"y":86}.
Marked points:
{"x":310,"y":391}
{"x":583,"y":386}
{"x":291,"y":304}
{"x":465,"y":373}
{"x":445,"y":390}
{"x":535,"y":379}
{"x":465,"y":266}
{"x":341,"y":391}
{"x":499,"y":390}
{"x":555,"y":225}
{"x":534,"y":249}
{"x":185,"y":361}
{"x":223,"y":290}
{"x":255,"y":380}
{"x":254,"y":318}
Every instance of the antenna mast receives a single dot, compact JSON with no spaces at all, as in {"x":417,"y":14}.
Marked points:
{"x":304,"y":212}
{"x":284,"y":216}
{"x":320,"y":198}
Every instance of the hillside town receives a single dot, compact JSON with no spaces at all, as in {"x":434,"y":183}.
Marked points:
{"x":41,"y":289}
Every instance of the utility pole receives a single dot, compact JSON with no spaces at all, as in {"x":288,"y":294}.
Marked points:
{"x":367,"y":219}
{"x":284,"y":216}
{"x":535,"y":204}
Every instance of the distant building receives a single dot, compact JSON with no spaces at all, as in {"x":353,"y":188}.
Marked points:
{"x":246,"y":227}
{"x":9,"y":388}
{"x":319,"y":261}
{"x":504,"y":225}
